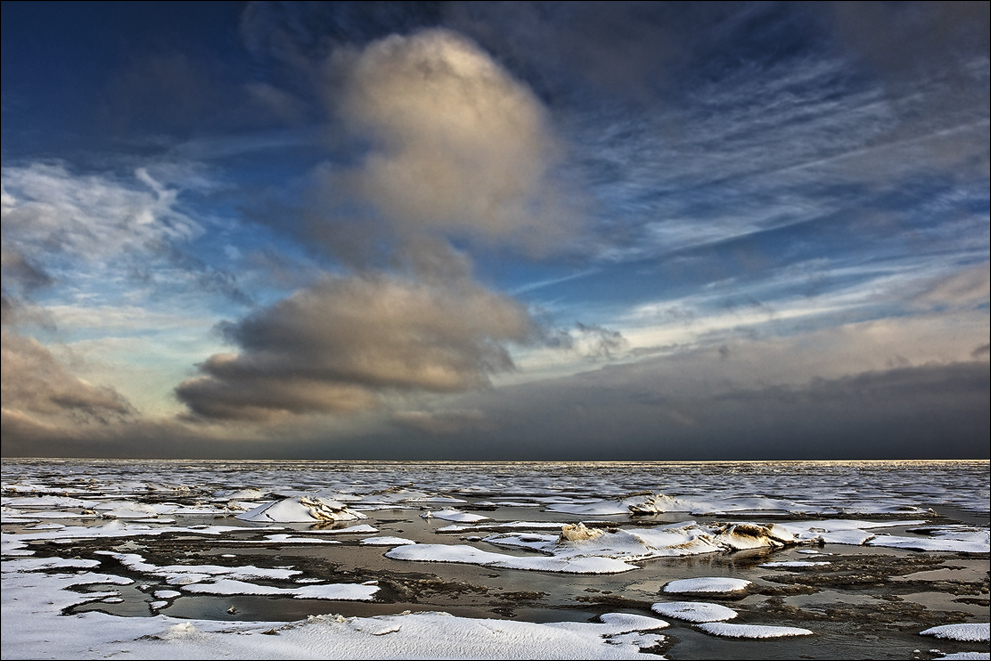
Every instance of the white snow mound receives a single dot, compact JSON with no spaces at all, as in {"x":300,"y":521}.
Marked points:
{"x":707,"y":584}
{"x":751,"y":630}
{"x":301,"y":509}
{"x":694,"y":611}
{"x":975,"y":632}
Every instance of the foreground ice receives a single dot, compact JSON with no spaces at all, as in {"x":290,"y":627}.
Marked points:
{"x":751,"y":630}
{"x":301,"y":509}
{"x":386,"y":541}
{"x":672,"y":540}
{"x":32,"y":627}
{"x":977,"y":541}
{"x":329,"y":591}
{"x":454,"y":515}
{"x":972,"y":632}
{"x":658,"y":503}
{"x":707,"y":584}
{"x":470,"y":555}
{"x":694,"y":611}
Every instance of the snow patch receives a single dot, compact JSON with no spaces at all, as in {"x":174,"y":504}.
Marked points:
{"x":694,"y":611}
{"x":386,"y":541}
{"x":301,"y":509}
{"x":707,"y":584}
{"x":971,"y":632}
{"x":751,"y":630}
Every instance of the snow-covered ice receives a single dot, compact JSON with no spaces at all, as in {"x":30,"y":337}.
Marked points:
{"x":707,"y":584}
{"x":331,"y":591}
{"x":69,"y":524}
{"x":694,"y":611}
{"x":301,"y":509}
{"x":34,"y":628}
{"x":971,"y":632}
{"x":454,"y":515}
{"x":471,"y":556}
{"x":386,"y":541}
{"x":727,"y":630}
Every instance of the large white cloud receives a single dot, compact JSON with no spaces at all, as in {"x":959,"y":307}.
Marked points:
{"x":457,"y":148}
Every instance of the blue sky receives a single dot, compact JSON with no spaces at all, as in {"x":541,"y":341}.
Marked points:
{"x":480,"y":230}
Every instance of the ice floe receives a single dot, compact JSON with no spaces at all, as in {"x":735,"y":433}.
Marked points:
{"x":954,"y":541}
{"x":386,"y":541}
{"x":454,"y":515}
{"x":694,"y":611}
{"x":839,"y":531}
{"x":796,"y":564}
{"x":470,"y":555}
{"x":707,"y":585}
{"x":33,"y":627}
{"x":301,"y":509}
{"x":330,"y":591}
{"x":282,"y":538}
{"x":975,"y":632}
{"x":648,"y":503}
{"x":727,"y":630}
{"x":677,"y":539}
{"x":361,"y":528}
{"x":185,"y":574}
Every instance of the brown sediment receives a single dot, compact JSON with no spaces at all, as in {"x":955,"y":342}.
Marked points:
{"x":858,"y":572}
{"x":901,"y":615}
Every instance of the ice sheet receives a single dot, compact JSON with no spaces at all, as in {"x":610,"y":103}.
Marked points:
{"x":694,"y":611}
{"x":331,"y":591}
{"x":301,"y":509}
{"x":971,"y":632}
{"x":386,"y":541}
{"x":706,"y":584}
{"x":470,"y":555}
{"x":454,"y":515}
{"x":34,"y":628}
{"x":726,"y":630}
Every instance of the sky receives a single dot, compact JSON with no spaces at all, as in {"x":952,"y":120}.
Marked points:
{"x":506,"y":231}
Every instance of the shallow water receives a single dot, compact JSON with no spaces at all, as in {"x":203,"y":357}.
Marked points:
{"x":871,"y":602}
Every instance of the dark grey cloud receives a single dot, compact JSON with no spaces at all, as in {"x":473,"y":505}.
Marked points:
{"x":338,"y":345}
{"x":443,"y":422}
{"x":903,"y":39}
{"x":632,"y":412}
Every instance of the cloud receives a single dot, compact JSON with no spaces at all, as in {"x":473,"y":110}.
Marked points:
{"x":457,"y":148}
{"x":970,"y":285}
{"x":48,"y":210}
{"x":641,"y":411}
{"x":590,"y":341}
{"x":19,"y":270}
{"x":442,"y":422}
{"x":35,"y":384}
{"x":342,"y":343}
{"x":900,"y":40}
